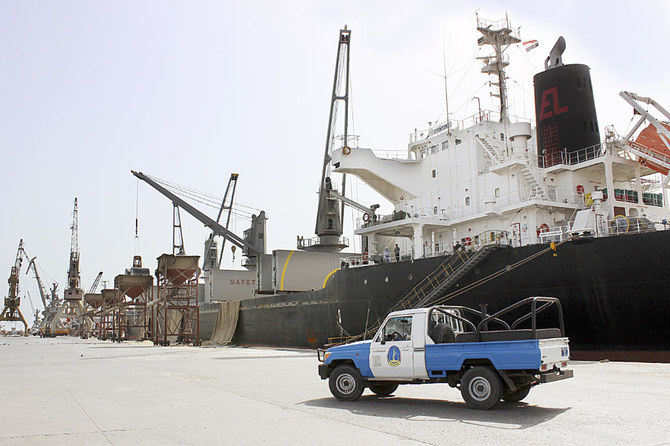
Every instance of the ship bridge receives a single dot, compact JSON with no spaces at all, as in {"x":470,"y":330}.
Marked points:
{"x":393,"y":178}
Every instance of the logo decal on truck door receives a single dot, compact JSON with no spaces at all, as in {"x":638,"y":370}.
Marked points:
{"x":393,"y":356}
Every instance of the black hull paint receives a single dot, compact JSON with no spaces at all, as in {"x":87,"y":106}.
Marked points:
{"x":614,"y":293}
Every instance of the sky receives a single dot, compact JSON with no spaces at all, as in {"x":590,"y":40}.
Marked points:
{"x":192,"y":91}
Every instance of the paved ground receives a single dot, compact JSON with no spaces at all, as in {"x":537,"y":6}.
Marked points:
{"x":70,"y":391}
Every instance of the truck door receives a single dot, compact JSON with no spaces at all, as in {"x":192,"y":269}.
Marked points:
{"x":391,"y":352}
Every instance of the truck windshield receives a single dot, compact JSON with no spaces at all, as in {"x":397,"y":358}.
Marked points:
{"x":398,"y":329}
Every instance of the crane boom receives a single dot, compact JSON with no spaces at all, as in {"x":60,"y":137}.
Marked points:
{"x":43,"y":292}
{"x":95,"y":283}
{"x":73,"y":277}
{"x":204,"y":219}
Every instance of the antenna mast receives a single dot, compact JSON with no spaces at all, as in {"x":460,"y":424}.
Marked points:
{"x":500,"y":36}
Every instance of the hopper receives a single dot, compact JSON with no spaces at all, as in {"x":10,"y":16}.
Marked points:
{"x":93,"y":299}
{"x":177,"y":269}
{"x":132,"y":285}
{"x":110,"y":296}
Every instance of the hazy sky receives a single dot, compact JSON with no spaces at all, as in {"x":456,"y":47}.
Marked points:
{"x":190,"y":91}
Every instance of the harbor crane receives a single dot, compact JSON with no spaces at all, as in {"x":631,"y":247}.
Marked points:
{"x":49,"y":298}
{"x":94,"y":287}
{"x":73,"y":308}
{"x":12,"y":310}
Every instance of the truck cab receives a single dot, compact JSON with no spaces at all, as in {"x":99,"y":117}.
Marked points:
{"x":455,"y":345}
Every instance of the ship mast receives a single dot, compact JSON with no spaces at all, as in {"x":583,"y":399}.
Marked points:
{"x":500,"y":36}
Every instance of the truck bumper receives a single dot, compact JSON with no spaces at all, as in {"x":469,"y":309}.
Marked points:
{"x":323,"y":371}
{"x":557,"y":376}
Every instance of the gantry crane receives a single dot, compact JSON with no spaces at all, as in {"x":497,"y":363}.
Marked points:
{"x":12,"y":310}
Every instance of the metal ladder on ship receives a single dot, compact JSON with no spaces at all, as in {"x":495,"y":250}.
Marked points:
{"x":435,"y":283}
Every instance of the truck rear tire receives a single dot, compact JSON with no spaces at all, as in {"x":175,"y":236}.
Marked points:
{"x":517,"y":395}
{"x":345,"y":383}
{"x":481,"y":388}
{"x":383,"y":389}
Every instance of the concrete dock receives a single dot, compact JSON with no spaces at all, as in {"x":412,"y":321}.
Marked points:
{"x":70,"y":391}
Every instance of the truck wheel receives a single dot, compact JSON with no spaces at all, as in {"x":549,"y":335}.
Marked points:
{"x":481,"y":388}
{"x":383,"y":389}
{"x":345,"y":383}
{"x":517,"y":395}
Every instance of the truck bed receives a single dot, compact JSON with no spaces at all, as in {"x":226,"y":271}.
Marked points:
{"x":510,"y":335}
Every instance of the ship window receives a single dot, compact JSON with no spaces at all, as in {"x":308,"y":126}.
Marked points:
{"x":434,"y":173}
{"x":467,"y":201}
{"x":330,"y":223}
{"x":497,"y":192}
{"x":433,"y":150}
{"x":445,"y":144}
{"x":502,"y":136}
{"x":434,"y":210}
{"x":458,"y":141}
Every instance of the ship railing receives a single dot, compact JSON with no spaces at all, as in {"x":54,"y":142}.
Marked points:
{"x":459,"y":124}
{"x":572,"y":158}
{"x":309,"y":242}
{"x":390,"y":154}
{"x":367,"y":259}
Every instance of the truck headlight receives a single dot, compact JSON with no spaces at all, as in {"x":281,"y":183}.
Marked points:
{"x":325,"y":356}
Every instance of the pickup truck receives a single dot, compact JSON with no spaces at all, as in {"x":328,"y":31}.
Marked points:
{"x":454,"y":345}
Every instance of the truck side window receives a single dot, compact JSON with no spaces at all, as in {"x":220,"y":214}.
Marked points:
{"x":398,"y":329}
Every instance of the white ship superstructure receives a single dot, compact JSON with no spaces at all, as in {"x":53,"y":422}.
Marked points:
{"x":483,"y":180}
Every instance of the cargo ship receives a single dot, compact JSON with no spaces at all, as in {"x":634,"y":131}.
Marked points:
{"x":487,"y":210}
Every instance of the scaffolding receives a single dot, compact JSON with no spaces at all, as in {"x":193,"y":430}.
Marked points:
{"x":108,"y":314}
{"x":175,"y":313}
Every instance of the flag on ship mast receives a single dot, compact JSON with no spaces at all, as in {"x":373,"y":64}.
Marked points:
{"x":530,"y":45}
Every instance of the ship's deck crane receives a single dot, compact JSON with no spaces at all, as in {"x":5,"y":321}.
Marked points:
{"x":204,"y":219}
{"x":212,"y":259}
{"x":329,"y":213}
{"x":12,"y":310}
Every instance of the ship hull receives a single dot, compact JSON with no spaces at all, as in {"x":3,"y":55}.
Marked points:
{"x":613,"y":290}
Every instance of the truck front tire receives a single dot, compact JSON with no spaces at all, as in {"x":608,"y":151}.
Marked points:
{"x":383,"y":389}
{"x":481,"y":388}
{"x":345,"y":383}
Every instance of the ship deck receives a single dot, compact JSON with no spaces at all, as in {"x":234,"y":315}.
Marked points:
{"x":73,"y":391}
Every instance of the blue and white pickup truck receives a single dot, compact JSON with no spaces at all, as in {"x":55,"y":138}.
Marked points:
{"x":453,"y":345}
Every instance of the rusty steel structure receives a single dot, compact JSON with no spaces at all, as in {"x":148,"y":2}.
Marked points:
{"x":175,"y":312}
{"x":12,"y":311}
{"x":107,"y":315}
{"x":135,"y":291}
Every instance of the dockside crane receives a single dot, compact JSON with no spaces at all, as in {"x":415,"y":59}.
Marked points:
{"x":73,"y":308}
{"x":12,"y":310}
{"x":96,"y":282}
{"x":50,"y":299}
